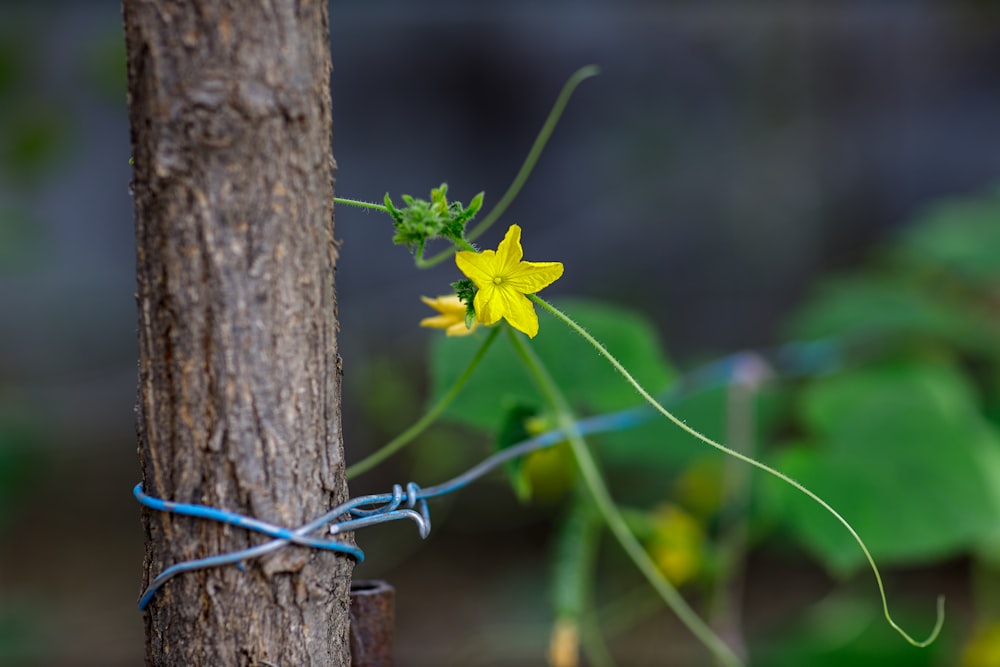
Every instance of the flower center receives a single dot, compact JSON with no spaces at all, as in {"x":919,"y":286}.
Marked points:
{"x":497,"y":280}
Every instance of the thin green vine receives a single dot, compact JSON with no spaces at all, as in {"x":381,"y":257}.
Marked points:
{"x":565,"y":319}
{"x":418,"y":427}
{"x":594,"y":483}
{"x":360,"y":204}
{"x":527,"y":166}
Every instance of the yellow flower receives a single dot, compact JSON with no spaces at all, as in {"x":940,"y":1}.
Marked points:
{"x":504,"y":280}
{"x":564,"y":644}
{"x":677,"y":544}
{"x":452,"y":317}
{"x":983,"y":648}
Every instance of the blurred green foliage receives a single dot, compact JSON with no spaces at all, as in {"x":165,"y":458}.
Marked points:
{"x":845,"y":629}
{"x":37,"y":130}
{"x":104,"y":66}
{"x":21,"y":460}
{"x":905,"y":439}
{"x":34,"y":138}
{"x":40,"y":131}
{"x":21,"y":640}
{"x":900,"y":450}
{"x":902,"y":438}
{"x":21,"y":238}
{"x":23,"y":463}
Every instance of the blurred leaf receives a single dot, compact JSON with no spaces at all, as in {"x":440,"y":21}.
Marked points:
{"x":13,"y":72}
{"x":873,"y":308}
{"x":902,"y":453}
{"x":939,"y":286}
{"x":35,"y":138}
{"x":677,"y":543}
{"x":961,"y":237}
{"x":21,"y":638}
{"x":21,"y":461}
{"x":104,"y":66}
{"x":588,"y":381}
{"x":641,"y":460}
{"x":845,"y":630}
{"x":513,"y":429}
{"x":700,"y":487}
{"x":391,"y":399}
{"x":982,"y":648}
{"x":643,"y":463}
{"x":36,"y":129}
{"x":550,"y":473}
{"x":443,"y":452}
{"x":20,"y":239}
{"x":659,"y":441}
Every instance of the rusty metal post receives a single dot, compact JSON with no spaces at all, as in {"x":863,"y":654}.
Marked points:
{"x":373,"y":615}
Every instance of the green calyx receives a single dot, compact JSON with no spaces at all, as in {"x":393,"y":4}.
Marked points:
{"x":466,"y":290}
{"x":420,"y":220}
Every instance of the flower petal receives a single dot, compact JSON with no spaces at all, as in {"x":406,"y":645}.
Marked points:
{"x":438,"y":322}
{"x":531,"y":277}
{"x":509,"y":252}
{"x":488,"y":304}
{"x":459,"y":329}
{"x":504,"y":279}
{"x":480,"y":267}
{"x":447,"y":305}
{"x":520,"y":312}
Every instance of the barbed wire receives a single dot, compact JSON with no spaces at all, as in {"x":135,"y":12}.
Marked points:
{"x":791,"y":360}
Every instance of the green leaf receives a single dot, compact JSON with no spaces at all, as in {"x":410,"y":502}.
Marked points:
{"x":513,"y":429}
{"x":475,"y":205}
{"x":869,"y":308}
{"x":641,"y":460}
{"x":589,"y":382}
{"x":846,"y":628}
{"x":959,"y":237}
{"x":903,"y":454}
{"x":37,"y":137}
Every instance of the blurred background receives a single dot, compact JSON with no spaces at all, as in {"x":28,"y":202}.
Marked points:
{"x":732,"y":174}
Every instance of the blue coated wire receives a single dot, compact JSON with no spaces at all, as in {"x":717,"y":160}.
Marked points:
{"x":797,"y":359}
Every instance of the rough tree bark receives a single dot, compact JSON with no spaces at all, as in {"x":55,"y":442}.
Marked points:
{"x":239,"y":378}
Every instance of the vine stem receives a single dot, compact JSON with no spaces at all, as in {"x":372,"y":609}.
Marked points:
{"x":360,"y":204}
{"x":725,"y":598}
{"x":565,"y":319}
{"x":528,"y":165}
{"x":418,"y":427}
{"x":594,"y":482}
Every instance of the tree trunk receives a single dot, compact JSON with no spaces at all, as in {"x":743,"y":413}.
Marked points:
{"x":239,"y":378}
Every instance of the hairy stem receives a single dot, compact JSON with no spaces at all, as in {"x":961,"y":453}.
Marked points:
{"x":757,"y":464}
{"x":360,"y":204}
